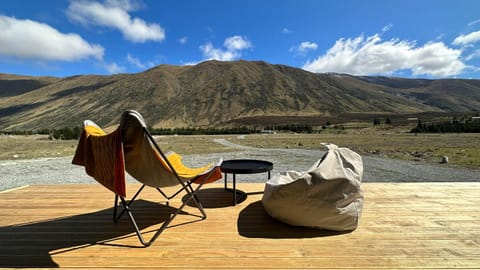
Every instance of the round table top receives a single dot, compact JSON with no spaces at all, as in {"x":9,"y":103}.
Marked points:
{"x":246,"y":166}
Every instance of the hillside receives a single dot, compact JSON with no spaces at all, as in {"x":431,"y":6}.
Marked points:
{"x":222,"y":93}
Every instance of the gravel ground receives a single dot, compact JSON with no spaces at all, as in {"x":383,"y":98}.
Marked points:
{"x":16,"y":173}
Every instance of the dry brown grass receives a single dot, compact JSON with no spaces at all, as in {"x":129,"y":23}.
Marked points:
{"x":38,"y":146}
{"x":34,"y":146}
{"x":462,"y":149}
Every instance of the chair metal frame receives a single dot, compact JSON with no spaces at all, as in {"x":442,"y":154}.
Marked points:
{"x":185,"y":186}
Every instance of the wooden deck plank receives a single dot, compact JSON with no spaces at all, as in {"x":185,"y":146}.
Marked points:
{"x":403,"y":226}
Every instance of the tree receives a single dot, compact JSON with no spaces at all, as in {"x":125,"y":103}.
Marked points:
{"x":388,"y":121}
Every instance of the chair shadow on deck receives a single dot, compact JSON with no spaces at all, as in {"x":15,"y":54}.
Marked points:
{"x":32,"y":244}
{"x":254,"y":222}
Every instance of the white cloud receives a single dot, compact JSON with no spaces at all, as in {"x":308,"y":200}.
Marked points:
{"x":475,"y":54}
{"x":192,"y":63}
{"x":437,"y":60}
{"x":371,"y":55}
{"x":473,"y":22}
{"x":387,"y":27}
{"x":286,"y":31}
{"x":127,"y":5}
{"x":211,"y":53}
{"x":113,"y":68}
{"x":114,"y":14}
{"x":440,"y":37}
{"x":233,"y":47}
{"x":304,"y":47}
{"x":136,"y":62}
{"x":183,"y":40}
{"x":467,"y":39}
{"x":29,"y":39}
{"x":236,"y":43}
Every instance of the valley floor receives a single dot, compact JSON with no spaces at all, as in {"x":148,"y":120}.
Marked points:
{"x":15,"y":173}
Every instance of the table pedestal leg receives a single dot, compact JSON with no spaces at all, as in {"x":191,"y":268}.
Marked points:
{"x":234,"y":191}
{"x":226,"y":181}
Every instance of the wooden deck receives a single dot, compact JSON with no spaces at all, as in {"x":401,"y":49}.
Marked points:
{"x":403,"y":226}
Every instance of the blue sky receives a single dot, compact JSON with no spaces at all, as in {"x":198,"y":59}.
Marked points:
{"x":405,"y":38}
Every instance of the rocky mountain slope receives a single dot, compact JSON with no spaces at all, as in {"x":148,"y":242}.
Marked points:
{"x":217,"y":94}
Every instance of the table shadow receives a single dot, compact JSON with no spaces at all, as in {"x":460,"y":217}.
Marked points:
{"x":217,"y":197}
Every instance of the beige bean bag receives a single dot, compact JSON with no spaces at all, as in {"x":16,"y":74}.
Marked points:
{"x":327,"y":196}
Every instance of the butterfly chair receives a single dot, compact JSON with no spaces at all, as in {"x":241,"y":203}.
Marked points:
{"x":136,"y":152}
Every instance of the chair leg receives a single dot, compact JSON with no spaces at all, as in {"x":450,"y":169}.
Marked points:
{"x":115,"y":217}
{"x":134,"y":223}
{"x":179,"y":209}
{"x":115,"y":205}
{"x":192,"y":194}
{"x":190,"y":191}
{"x":126,"y":209}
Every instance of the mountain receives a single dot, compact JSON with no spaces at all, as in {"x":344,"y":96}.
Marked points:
{"x":220,"y":94}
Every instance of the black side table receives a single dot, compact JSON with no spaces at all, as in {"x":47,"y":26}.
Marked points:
{"x":243,"y":166}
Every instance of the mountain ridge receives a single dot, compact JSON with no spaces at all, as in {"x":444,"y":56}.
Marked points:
{"x":217,"y":94}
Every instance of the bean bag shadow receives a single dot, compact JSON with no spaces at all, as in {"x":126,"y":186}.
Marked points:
{"x":327,"y":196}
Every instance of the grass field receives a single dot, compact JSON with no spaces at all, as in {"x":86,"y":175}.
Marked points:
{"x":462,"y":149}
